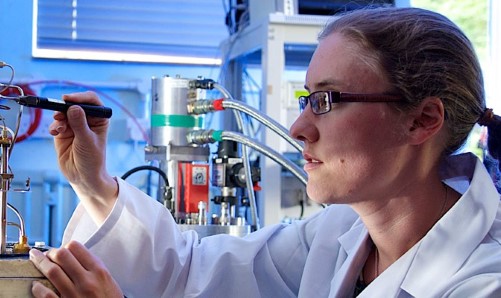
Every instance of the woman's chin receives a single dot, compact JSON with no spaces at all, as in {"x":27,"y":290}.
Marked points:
{"x":321,"y":195}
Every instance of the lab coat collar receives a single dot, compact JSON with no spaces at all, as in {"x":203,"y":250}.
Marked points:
{"x":440,"y":254}
{"x":357,"y":245}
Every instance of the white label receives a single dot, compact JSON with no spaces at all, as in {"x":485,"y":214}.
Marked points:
{"x":199,"y":176}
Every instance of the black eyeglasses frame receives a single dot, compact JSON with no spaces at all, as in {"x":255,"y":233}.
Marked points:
{"x":337,"y":97}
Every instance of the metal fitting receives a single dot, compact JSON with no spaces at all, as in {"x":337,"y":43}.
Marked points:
{"x":198,"y":107}
{"x":200,"y":137}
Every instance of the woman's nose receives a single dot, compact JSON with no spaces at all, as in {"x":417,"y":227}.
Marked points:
{"x":304,"y":129}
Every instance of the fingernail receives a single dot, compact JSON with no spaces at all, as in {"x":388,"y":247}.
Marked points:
{"x":35,"y":254}
{"x":60,"y":128}
{"x":72,"y":112}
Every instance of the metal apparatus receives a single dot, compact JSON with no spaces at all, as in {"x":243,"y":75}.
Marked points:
{"x":22,"y":246}
{"x":228,"y":173}
{"x":179,"y":143}
{"x":7,"y":140}
{"x":186,"y":164}
{"x":169,"y":124}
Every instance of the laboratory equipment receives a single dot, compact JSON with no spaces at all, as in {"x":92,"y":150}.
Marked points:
{"x":7,"y":140}
{"x":187,"y":190}
{"x":207,"y":192}
{"x":17,"y":272}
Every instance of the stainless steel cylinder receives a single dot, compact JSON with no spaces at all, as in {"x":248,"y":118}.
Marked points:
{"x":170,"y":121}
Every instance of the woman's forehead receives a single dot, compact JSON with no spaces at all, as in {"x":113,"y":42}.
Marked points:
{"x":339,"y":64}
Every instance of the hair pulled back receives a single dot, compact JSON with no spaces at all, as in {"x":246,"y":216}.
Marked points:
{"x":424,"y":54}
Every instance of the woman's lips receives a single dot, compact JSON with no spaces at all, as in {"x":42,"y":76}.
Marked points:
{"x":311,"y":162}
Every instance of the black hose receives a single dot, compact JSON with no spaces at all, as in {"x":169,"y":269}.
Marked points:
{"x":149,"y":168}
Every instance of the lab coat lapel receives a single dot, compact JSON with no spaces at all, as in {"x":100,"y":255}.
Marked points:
{"x":440,"y":254}
{"x":356,"y":245}
{"x":451,"y":241}
{"x":434,"y":259}
{"x":389,"y":282}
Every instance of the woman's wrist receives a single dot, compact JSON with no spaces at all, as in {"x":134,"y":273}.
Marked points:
{"x":102,"y":189}
{"x":99,"y":197}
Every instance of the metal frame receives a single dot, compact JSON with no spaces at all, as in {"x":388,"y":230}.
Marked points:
{"x":271,"y":37}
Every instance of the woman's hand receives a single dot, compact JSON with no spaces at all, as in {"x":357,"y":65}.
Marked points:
{"x":75,"y":272}
{"x":80,"y":144}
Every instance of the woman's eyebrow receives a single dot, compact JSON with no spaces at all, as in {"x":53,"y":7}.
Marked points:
{"x":326,"y":83}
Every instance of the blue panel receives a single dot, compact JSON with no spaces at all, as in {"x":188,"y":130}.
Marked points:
{"x":179,"y":28}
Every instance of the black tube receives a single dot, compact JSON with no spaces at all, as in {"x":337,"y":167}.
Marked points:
{"x":150,"y":168}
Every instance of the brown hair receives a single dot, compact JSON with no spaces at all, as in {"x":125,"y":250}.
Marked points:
{"x":422,"y":54}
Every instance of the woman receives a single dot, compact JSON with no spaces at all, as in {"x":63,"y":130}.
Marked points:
{"x":393,"y":92}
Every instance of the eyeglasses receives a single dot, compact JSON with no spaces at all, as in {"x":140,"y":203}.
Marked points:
{"x":321,"y":101}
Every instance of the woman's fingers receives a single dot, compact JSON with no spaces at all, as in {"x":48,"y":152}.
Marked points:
{"x":87,"y":97}
{"x":52,"y":271}
{"x":75,"y":272}
{"x":65,"y":259}
{"x":83,"y":256}
{"x":58,"y":127}
{"x":40,"y":290}
{"x":59,"y":116}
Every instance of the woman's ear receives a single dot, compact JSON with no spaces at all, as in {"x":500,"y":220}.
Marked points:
{"x":428,"y":119}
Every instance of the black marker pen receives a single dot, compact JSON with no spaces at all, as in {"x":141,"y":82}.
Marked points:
{"x":62,"y":106}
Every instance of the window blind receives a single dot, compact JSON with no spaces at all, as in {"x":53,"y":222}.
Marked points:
{"x":190,"y":29}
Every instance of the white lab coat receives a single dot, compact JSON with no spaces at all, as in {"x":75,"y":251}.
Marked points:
{"x":318,"y":257}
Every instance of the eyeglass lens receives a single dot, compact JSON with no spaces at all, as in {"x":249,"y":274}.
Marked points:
{"x":320,"y":102}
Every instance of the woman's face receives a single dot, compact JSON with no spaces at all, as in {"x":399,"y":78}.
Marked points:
{"x":356,"y":150}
